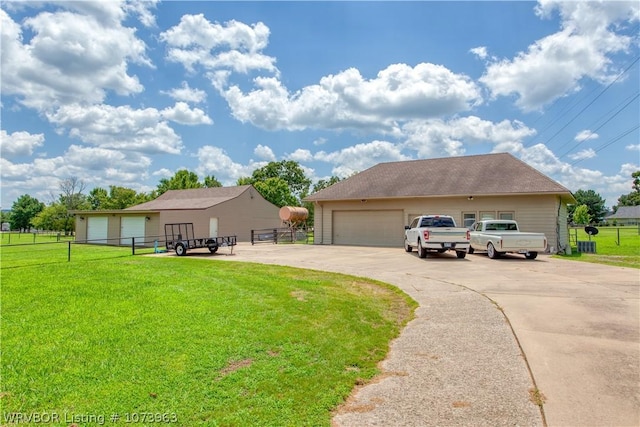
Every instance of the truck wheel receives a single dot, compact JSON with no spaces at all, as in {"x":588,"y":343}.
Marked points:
{"x":461,"y":254}
{"x":407,"y":246}
{"x":422,"y":252}
{"x":531,"y":255}
{"x":181,"y":249}
{"x":491,"y":251}
{"x":470,"y":250}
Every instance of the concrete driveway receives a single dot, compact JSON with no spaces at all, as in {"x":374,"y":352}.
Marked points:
{"x":490,"y":333}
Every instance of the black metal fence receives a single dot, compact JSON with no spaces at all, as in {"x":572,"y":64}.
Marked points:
{"x":25,"y":250}
{"x":281,"y":235}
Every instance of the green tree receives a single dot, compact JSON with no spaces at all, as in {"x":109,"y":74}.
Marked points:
{"x":211,"y":182}
{"x":633,"y":198}
{"x":52,"y":217}
{"x":182,"y":180}
{"x":581,"y":215}
{"x":23,"y":211}
{"x":98,"y":199}
{"x":5,"y":216}
{"x":116,"y":198}
{"x":277,"y":191}
{"x":595,"y":204}
{"x":122,"y":197}
{"x":72,"y":199}
{"x":324,"y":183}
{"x":287,"y":172}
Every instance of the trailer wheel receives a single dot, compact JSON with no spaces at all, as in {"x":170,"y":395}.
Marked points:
{"x":181,"y":249}
{"x":213,"y":249}
{"x":531,"y":255}
{"x":422,"y":252}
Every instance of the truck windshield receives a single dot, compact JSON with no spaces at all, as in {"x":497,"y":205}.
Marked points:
{"x":437,"y":222}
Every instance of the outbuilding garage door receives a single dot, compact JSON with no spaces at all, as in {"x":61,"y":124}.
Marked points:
{"x":368,"y":228}
{"x":97,"y":229}
{"x":132,"y":226}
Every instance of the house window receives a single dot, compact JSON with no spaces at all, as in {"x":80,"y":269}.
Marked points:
{"x":468,"y":218}
{"x":506,"y":215}
{"x":487,"y":215}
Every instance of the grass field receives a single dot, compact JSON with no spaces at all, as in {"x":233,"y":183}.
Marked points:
{"x":614,"y":246}
{"x":189,"y":341}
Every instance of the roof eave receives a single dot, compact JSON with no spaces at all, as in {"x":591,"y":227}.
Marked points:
{"x":566,"y":196}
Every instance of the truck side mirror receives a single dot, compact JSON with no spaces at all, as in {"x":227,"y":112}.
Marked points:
{"x":406,"y":227}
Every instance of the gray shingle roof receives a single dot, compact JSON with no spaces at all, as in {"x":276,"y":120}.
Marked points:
{"x":626,"y":212}
{"x":487,"y":174}
{"x":196,"y":198}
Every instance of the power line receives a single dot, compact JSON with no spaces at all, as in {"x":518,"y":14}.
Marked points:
{"x":608,"y":143}
{"x":606,"y":121}
{"x":590,"y":103}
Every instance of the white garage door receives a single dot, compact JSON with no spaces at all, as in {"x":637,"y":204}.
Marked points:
{"x":132,"y":226}
{"x":97,"y":229}
{"x":368,"y":228}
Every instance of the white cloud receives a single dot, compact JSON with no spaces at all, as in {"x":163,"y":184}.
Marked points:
{"x":554,"y":65}
{"x":433,"y":138}
{"x":583,"y":154}
{"x":121,"y":128}
{"x":633,"y":147}
{"x":300,"y":155}
{"x":480,"y":52}
{"x":320,"y":141}
{"x":181,"y":113}
{"x":585,"y":135}
{"x":70,"y":58}
{"x":187,"y":94}
{"x":610,"y":187}
{"x":216,"y":161}
{"x":360,"y":157}
{"x":19,"y":143}
{"x":265,"y":153}
{"x":234,"y":45}
{"x":347,"y":100}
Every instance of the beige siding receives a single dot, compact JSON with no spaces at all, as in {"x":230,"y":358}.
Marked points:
{"x":537,"y":213}
{"x":235,"y":217}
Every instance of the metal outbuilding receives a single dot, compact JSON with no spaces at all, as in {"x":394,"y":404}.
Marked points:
{"x":213,"y":211}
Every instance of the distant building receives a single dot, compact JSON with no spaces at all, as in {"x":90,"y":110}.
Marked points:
{"x":625,"y":215}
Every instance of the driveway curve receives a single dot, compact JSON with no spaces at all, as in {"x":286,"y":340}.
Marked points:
{"x":491,"y":338}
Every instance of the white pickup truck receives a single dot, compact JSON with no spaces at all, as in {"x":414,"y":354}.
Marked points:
{"x":436,"y":233}
{"x":501,"y":236}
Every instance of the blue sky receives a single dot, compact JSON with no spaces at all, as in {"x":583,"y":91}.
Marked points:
{"x":127,"y":93}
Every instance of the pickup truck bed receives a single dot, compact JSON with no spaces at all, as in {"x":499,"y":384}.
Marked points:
{"x":436,"y":233}
{"x":498,"y":237}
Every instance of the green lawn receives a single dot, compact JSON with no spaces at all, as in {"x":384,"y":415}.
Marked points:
{"x":619,"y":247}
{"x":205,"y":342}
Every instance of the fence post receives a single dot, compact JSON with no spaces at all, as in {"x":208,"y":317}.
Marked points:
{"x":275,"y":236}
{"x":69,"y":252}
{"x":133,"y":246}
{"x":252,"y":231}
